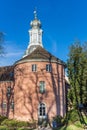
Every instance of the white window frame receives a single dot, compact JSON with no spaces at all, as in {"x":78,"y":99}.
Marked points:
{"x":43,"y":116}
{"x":48,"y":67}
{"x":34,"y":67}
{"x":42,"y":86}
{"x":4,"y":105}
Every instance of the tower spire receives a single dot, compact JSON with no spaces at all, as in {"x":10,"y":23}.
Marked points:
{"x":35,"y":14}
{"x":35,"y":34}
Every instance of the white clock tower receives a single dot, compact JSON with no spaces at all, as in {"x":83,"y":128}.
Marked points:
{"x":35,"y":34}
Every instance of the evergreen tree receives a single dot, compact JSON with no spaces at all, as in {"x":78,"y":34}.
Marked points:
{"x":77,"y":73}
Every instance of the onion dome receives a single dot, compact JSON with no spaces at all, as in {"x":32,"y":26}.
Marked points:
{"x":35,"y":23}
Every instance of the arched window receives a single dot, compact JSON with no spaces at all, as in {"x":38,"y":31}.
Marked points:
{"x":42,"y":110}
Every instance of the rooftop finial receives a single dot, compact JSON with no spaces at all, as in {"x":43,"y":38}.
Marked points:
{"x":35,"y":14}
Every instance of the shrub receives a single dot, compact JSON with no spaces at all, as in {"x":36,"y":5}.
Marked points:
{"x":72,"y":116}
{"x":78,"y":124}
{"x":58,"y":119}
{"x":24,"y":129}
{"x":14,"y":123}
{"x":33,"y":124}
{"x":2,"y":118}
{"x":4,"y":128}
{"x":9,"y":123}
{"x":40,"y":121}
{"x":43,"y":122}
{"x":22,"y":124}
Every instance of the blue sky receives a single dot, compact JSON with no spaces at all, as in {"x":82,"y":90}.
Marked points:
{"x":63,"y":22}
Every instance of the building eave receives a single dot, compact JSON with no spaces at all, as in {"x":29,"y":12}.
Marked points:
{"x":39,"y":60}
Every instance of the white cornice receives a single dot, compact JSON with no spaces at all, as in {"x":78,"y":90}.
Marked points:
{"x":38,"y":60}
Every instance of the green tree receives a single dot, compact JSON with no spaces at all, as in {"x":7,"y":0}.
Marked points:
{"x":1,"y":43}
{"x":77,"y":73}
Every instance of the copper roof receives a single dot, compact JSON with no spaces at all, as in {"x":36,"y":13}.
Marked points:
{"x":6,"y":73}
{"x":41,"y":54}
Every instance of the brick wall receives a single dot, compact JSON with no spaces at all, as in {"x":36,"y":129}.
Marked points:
{"x":26,"y":90}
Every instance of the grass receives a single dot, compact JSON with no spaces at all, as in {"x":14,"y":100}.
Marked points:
{"x":12,"y":128}
{"x":85,"y":119}
{"x":74,"y":121}
{"x":70,"y":127}
{"x":75,"y":126}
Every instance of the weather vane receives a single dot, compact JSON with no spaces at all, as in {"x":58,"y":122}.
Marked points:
{"x":35,"y":13}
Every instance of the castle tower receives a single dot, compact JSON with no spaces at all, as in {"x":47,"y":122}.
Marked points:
{"x":35,"y":34}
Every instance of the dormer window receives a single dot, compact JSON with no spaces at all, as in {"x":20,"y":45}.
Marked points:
{"x":48,"y":68}
{"x":34,"y":67}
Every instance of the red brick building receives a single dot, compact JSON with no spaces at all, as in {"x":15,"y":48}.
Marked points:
{"x":34,"y":87}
